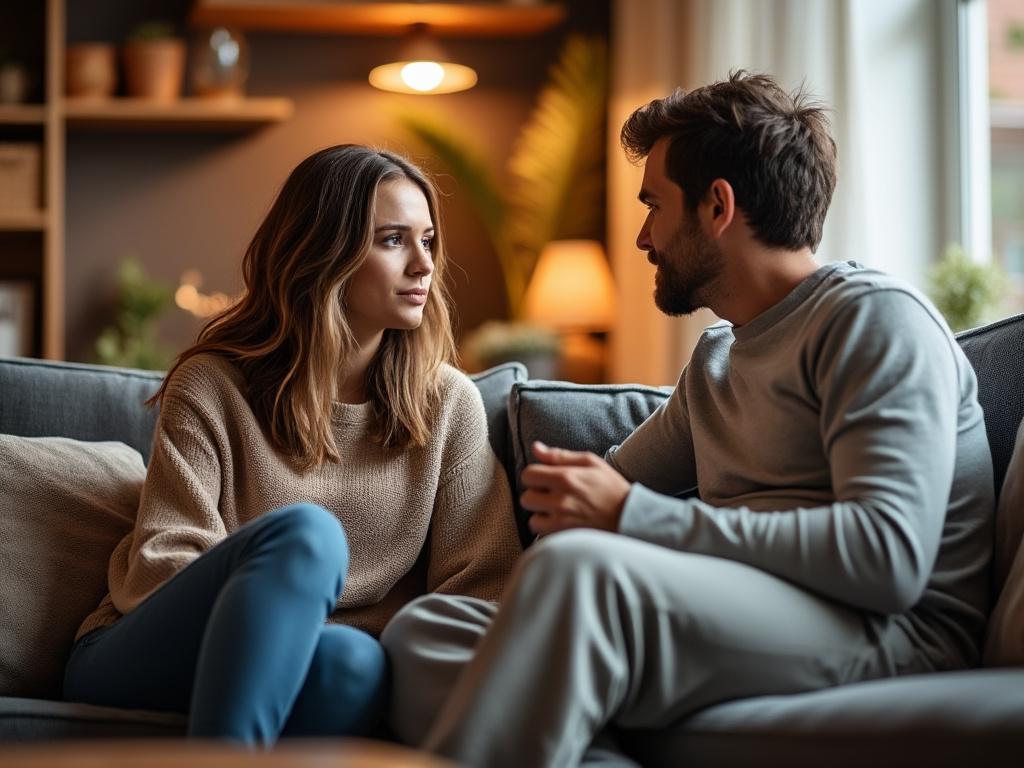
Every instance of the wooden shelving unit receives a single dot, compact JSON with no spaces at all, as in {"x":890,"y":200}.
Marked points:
{"x":32,"y":242}
{"x":22,"y":114}
{"x":355,"y":18}
{"x":184,"y":115}
{"x":23,"y":221}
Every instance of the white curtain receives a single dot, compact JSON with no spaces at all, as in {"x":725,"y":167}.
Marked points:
{"x":881,"y":65}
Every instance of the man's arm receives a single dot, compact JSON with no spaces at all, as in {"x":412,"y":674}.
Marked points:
{"x":888,"y":422}
{"x":659,"y":453}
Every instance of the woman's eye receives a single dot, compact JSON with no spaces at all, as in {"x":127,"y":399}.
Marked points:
{"x":428,"y":243}
{"x":395,"y":239}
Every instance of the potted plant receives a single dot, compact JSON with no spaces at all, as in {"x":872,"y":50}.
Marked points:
{"x":964,"y":290}
{"x":131,"y":342}
{"x":154,"y":62}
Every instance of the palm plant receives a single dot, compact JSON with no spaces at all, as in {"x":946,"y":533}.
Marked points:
{"x":556,"y":178}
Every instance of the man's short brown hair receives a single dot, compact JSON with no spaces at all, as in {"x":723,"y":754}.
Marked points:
{"x":774,"y":148}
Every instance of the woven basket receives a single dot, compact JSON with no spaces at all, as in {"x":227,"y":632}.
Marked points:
{"x":20,"y":169}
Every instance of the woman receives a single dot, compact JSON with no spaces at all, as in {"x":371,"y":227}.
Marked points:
{"x":316,"y":457}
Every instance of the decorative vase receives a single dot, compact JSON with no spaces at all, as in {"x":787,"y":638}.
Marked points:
{"x":14,"y":83}
{"x":91,"y":70}
{"x":219,"y":63}
{"x":154,"y":69}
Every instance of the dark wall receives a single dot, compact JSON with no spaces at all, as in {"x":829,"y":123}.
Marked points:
{"x":180,"y":201}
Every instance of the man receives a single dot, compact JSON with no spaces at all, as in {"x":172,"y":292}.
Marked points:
{"x":831,"y":426}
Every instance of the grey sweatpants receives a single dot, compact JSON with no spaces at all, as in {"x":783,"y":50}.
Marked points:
{"x":598,"y":629}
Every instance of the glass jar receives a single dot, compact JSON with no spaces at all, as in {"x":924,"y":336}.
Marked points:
{"x":220,"y":63}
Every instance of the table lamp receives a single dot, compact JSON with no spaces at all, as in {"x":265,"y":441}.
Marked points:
{"x":572,"y":292}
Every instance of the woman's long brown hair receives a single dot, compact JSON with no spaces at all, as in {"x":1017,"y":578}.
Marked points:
{"x":288,"y":333}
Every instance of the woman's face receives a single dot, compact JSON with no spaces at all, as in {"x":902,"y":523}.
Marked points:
{"x":390,"y":289}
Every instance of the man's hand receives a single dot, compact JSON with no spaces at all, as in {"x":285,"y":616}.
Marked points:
{"x":572,"y":489}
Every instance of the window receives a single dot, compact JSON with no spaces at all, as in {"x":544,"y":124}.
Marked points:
{"x":1005,"y":24}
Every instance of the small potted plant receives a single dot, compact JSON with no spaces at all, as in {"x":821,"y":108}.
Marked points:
{"x":154,"y":62}
{"x":963,"y":290}
{"x":131,"y":341}
{"x":497,"y":342}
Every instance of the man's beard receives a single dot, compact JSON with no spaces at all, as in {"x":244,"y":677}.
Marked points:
{"x":689,"y":268}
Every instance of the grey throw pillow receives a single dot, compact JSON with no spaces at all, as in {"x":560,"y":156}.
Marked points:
{"x":580,"y":417}
{"x":64,"y":505}
{"x":494,"y":385}
{"x":1004,"y":645}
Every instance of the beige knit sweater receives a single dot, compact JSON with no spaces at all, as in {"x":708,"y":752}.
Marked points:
{"x":431,"y":519}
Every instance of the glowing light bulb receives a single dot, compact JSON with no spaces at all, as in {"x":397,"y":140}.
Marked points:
{"x":422,"y":76}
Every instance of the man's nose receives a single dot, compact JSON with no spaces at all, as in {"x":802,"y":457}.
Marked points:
{"x":643,"y":239}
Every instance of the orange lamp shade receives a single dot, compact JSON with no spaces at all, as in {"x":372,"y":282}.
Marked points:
{"x":424,"y":68}
{"x":571,"y":288}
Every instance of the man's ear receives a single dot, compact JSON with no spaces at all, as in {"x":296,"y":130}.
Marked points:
{"x":720,"y":206}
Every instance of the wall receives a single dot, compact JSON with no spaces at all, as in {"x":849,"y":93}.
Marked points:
{"x":181,"y":201}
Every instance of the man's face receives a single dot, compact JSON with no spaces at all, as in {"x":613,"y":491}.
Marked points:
{"x":690,"y":264}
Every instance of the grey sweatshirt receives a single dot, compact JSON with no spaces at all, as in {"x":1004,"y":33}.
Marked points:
{"x":836,"y":441}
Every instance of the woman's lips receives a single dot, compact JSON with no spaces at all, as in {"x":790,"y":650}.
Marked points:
{"x":417,"y":296}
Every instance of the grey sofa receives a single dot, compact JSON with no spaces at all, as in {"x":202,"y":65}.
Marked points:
{"x":973,"y":717}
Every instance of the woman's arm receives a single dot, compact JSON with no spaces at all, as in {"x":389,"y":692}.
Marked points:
{"x":178,"y":517}
{"x":473,"y":539}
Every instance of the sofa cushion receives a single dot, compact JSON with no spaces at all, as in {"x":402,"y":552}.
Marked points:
{"x":996,"y":352}
{"x":494,"y":385}
{"x":65,"y":505}
{"x":40,"y":720}
{"x":973,"y":717}
{"x":1005,"y":642}
{"x":580,"y":417}
{"x":84,"y":402}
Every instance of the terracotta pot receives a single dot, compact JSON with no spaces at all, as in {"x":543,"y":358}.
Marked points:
{"x":154,"y":69}
{"x":91,"y":70}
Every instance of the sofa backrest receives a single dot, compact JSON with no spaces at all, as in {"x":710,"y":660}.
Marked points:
{"x":88,"y":402}
{"x":94,"y":402}
{"x":996,"y":352}
{"x":83,"y":402}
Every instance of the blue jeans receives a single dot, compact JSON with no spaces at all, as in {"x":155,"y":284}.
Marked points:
{"x":237,"y":639}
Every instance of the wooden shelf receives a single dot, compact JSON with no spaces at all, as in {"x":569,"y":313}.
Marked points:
{"x":22,"y":221}
{"x":363,"y":18}
{"x":22,"y":114}
{"x":188,"y":114}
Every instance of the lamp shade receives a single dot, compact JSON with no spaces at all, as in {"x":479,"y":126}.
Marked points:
{"x":423,"y":68}
{"x":571,"y":288}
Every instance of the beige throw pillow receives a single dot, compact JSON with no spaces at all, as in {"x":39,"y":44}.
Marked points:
{"x":1004,"y":645}
{"x":64,"y":505}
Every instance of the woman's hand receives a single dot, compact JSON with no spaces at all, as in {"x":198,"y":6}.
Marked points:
{"x":572,"y":489}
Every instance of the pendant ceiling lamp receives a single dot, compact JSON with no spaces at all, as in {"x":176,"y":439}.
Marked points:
{"x":423,"y":68}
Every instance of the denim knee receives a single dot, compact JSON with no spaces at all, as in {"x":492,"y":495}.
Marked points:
{"x":308,"y":536}
{"x":361,"y":671}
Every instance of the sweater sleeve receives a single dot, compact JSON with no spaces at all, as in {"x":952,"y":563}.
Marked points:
{"x":641,"y":457}
{"x":473,"y":539}
{"x":178,"y":517}
{"x":888,"y":386}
